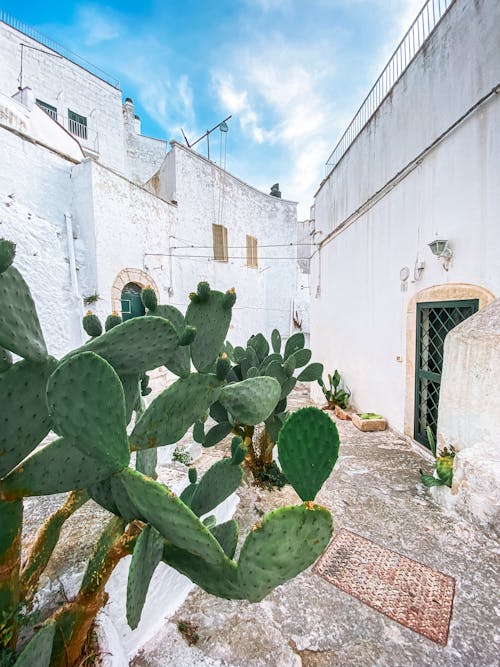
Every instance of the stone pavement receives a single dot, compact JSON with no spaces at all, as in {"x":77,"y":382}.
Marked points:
{"x":375,"y":491}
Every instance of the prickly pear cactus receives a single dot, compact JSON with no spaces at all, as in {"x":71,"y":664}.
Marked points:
{"x":92,"y":324}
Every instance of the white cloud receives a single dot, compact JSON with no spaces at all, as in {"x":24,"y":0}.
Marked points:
{"x":97,"y":25}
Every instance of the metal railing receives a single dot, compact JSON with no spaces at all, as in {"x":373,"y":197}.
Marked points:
{"x":428,"y":18}
{"x":58,"y":48}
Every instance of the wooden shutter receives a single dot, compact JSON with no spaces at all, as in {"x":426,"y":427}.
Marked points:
{"x":252,"y":259}
{"x":219,"y":233}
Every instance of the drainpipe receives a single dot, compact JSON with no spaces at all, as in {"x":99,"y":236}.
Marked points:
{"x":77,"y":298}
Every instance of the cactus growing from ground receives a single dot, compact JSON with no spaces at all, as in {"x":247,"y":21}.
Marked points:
{"x":258,"y":362}
{"x":87,"y":399}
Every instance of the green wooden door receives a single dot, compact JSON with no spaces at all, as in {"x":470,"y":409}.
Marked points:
{"x":434,"y":321}
{"x":132,"y":305}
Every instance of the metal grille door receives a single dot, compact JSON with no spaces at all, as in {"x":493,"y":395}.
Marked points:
{"x":434,"y":321}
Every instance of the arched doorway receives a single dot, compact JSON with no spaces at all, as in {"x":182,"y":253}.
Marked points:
{"x":431,"y":313}
{"x":125,"y":278}
{"x":131,"y":302}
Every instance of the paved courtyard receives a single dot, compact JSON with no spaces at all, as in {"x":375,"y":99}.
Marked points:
{"x":374,"y":491}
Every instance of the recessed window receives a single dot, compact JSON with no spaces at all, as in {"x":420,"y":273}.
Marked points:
{"x":48,"y":108}
{"x":252,"y":259}
{"x":77,"y":124}
{"x":219,"y":233}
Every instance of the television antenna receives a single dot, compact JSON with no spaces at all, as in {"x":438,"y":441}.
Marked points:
{"x":223,"y":128}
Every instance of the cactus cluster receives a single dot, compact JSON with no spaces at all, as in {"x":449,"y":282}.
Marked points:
{"x":258,"y":365}
{"x":443,"y":466}
{"x":87,"y":399}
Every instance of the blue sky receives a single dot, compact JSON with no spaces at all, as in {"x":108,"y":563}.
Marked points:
{"x":292,"y":72}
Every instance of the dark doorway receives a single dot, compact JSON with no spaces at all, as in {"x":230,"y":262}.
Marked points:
{"x":132,"y":305}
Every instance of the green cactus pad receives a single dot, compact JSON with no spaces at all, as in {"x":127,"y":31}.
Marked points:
{"x":311,"y":373}
{"x":218,"y":483}
{"x":308,"y":447}
{"x":199,"y":432}
{"x":138,"y":345}
{"x":92,"y":324}
{"x":275,"y":370}
{"x":211,"y":318}
{"x":260,"y":345}
{"x":217,"y":433}
{"x":223,"y":366}
{"x":102,"y":493}
{"x":444,"y":468}
{"x":179,"y":362}
{"x":301,"y":357}
{"x":286,"y":542}
{"x":171,"y":413}
{"x":239,"y":353}
{"x":219,"y":580}
{"x":218,"y":412}
{"x":20,"y":330}
{"x":161,"y":508}
{"x":24,"y":420}
{"x":294,"y":343}
{"x":38,"y":651}
{"x":94,"y":417}
{"x":149,"y":299}
{"x":188,"y":493}
{"x":287,"y":387}
{"x":112,"y":321}
{"x":7,"y":254}
{"x":226,"y":535}
{"x":145,"y":462}
{"x":5,"y":359}
{"x":238,"y":451}
{"x":251,"y":401}
{"x":275,"y":356}
{"x":132,"y":391}
{"x":112,"y":531}
{"x":147,"y":554}
{"x":290,"y":365}
{"x":276,"y":341}
{"x":56,"y":468}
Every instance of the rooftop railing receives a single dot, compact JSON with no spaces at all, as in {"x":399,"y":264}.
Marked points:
{"x":58,"y":48}
{"x":428,"y":18}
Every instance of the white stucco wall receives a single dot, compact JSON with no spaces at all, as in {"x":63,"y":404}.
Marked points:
{"x":65,"y":85}
{"x":32,"y":214}
{"x":207,"y":195}
{"x":358,"y":310}
{"x":127,"y":223}
{"x":144,"y":155}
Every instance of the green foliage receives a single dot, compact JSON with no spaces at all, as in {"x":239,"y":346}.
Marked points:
{"x":180,"y":456}
{"x":149,"y":299}
{"x":88,"y":398}
{"x":92,"y":324}
{"x":308,"y":447}
{"x":336,"y":393}
{"x":369,"y":415}
{"x":90,"y":299}
{"x":7,"y":254}
{"x":443,"y":465}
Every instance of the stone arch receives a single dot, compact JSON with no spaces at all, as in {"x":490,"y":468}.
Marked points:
{"x":445,"y":292}
{"x":130,"y":276}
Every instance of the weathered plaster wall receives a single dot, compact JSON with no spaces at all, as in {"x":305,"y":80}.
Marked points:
{"x":469,"y":415}
{"x":128,"y":223}
{"x":64,"y":85}
{"x":144,"y":155}
{"x":207,"y":195}
{"x":358,"y":310}
{"x":32,"y":214}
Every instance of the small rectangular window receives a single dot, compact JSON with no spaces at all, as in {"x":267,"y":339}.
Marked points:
{"x":252,"y":259}
{"x":77,"y":124}
{"x":48,"y":108}
{"x":219,"y":233}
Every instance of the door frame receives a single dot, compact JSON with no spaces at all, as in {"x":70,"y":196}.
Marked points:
{"x":447,"y":292}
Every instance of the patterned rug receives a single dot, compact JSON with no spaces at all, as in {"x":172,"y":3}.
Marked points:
{"x":403,"y":589}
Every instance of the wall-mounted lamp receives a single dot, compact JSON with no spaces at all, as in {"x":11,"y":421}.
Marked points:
{"x":440,"y":248}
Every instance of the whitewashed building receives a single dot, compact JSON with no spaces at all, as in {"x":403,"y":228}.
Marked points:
{"x":420,"y":163}
{"x":98,"y":209}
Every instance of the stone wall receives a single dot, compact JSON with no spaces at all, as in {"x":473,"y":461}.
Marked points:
{"x":469,"y":416}
{"x":144,"y":155}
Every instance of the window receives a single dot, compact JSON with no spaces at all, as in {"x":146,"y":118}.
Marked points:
{"x":77,"y":124}
{"x":219,"y":233}
{"x":48,"y":108}
{"x":252,"y":251}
